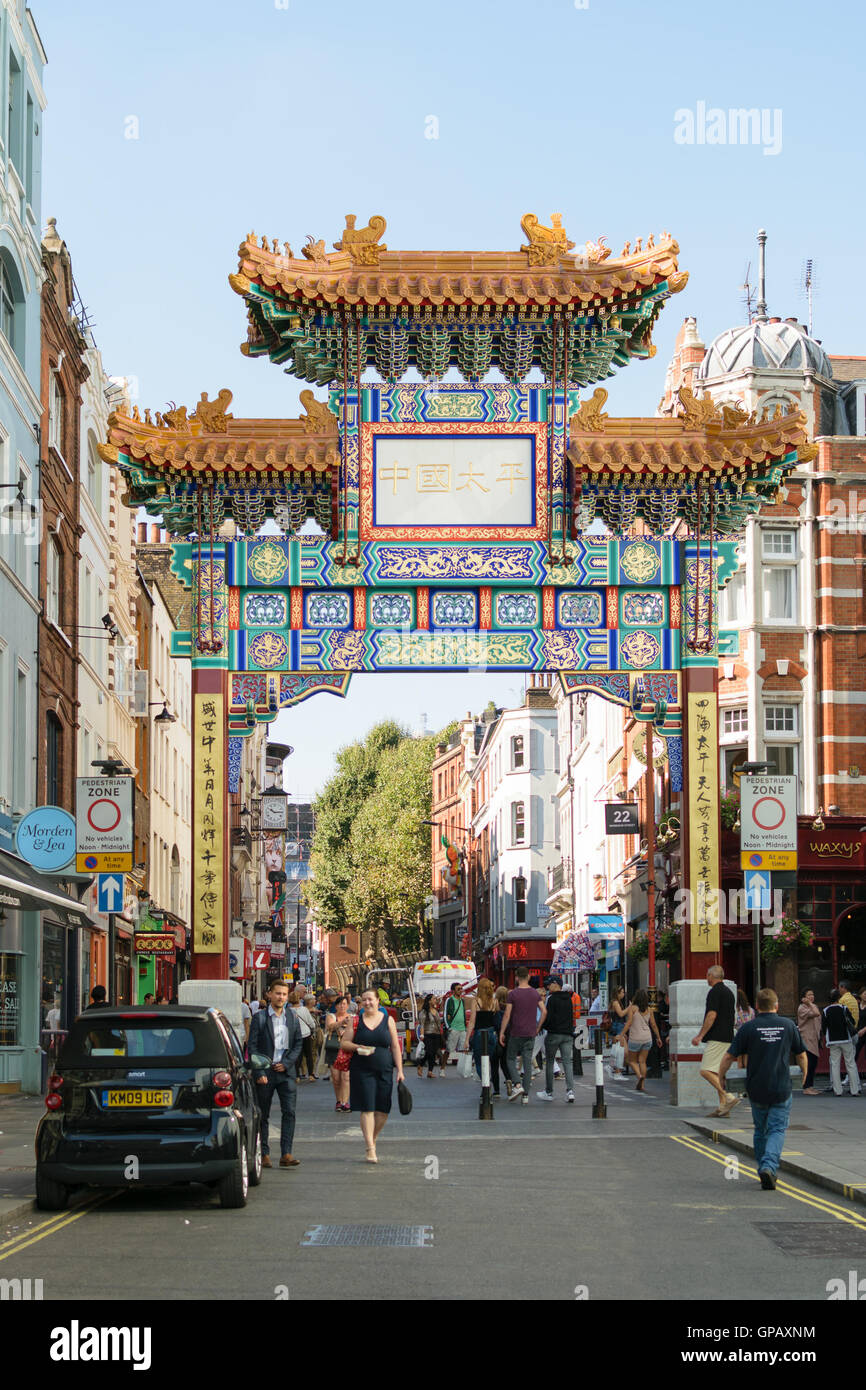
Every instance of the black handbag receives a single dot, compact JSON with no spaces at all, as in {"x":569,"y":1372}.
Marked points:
{"x":404,"y":1098}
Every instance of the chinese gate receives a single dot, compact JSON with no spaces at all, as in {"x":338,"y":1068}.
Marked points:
{"x":504,"y":526}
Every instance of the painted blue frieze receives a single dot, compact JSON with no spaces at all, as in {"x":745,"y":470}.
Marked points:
{"x":516,"y":610}
{"x":327,"y":610}
{"x":579,"y":610}
{"x":265,"y":610}
{"x":457,"y":608}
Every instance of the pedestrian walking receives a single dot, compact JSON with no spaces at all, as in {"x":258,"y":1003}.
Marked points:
{"x":521,"y":1013}
{"x":455,"y":1022}
{"x":483,"y":1021}
{"x":501,"y":999}
{"x":765,"y":1046}
{"x":337,"y":1024}
{"x":745,"y":1012}
{"x":839,"y":1027}
{"x":638,"y":1033}
{"x":308,"y":1029}
{"x":716,"y":1033}
{"x":430,"y":1026}
{"x":538,"y":1054}
{"x":559,"y":1017}
{"x":275,"y":1045}
{"x":97,"y":998}
{"x":809,"y":1024}
{"x":246,"y":1019}
{"x":618,"y":1011}
{"x":860,"y":1052}
{"x":376,"y":1055}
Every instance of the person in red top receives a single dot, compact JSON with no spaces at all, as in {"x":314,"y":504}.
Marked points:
{"x":526,"y":1014}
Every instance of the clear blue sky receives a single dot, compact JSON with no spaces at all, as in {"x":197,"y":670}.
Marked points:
{"x":282,"y":119}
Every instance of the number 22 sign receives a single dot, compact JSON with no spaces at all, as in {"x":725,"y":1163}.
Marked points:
{"x":621,"y":818}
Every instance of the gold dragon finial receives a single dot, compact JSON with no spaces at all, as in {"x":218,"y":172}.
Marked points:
{"x":591,"y":416}
{"x":697,"y":414}
{"x":546,"y":244}
{"x":176,"y":417}
{"x":362,"y":243}
{"x":318,"y":419}
{"x":313,"y":250}
{"x":213,"y":416}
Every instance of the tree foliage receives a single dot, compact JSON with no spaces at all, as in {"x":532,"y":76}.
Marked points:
{"x":370,"y":858}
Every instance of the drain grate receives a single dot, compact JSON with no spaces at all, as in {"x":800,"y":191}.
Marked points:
{"x":369,"y":1235}
{"x":818,"y":1239}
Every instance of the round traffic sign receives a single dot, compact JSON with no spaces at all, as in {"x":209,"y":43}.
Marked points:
{"x":91,"y":861}
{"x":768,"y":812}
{"x":106,"y":818}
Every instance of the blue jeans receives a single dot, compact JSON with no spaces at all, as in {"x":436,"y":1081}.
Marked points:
{"x":492,"y":1039}
{"x":523,"y":1048}
{"x":771,"y":1124}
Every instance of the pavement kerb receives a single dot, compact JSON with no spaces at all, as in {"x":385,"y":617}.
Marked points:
{"x":10,"y":1214}
{"x":812,"y":1171}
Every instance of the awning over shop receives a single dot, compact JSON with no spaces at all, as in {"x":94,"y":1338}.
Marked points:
{"x":576,"y":951}
{"x":23,"y":889}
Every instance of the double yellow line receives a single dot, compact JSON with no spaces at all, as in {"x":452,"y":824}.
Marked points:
{"x":51,"y":1226}
{"x":819,"y":1203}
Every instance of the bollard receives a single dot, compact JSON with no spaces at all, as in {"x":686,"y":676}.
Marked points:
{"x":599,"y":1110}
{"x":577,"y":1058}
{"x":485,"y":1108}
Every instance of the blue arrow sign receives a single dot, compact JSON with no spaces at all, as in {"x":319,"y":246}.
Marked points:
{"x":109,"y":892}
{"x":758,"y":883}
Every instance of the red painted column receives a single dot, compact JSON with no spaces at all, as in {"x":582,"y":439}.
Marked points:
{"x":211,"y":832}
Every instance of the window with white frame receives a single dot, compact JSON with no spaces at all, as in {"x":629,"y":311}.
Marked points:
{"x":732,"y":601}
{"x":517,"y":757}
{"x":519,"y":895}
{"x":55,"y":413}
{"x":52,"y":581}
{"x":518,"y":822}
{"x":779,"y":545}
{"x":735,"y":720}
{"x":734,"y":743}
{"x":779,"y":575}
{"x":781,"y":719}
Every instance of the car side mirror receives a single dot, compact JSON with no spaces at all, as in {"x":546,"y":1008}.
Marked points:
{"x":260,"y":1061}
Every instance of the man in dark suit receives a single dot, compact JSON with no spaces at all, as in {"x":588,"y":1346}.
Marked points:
{"x":275,"y":1034}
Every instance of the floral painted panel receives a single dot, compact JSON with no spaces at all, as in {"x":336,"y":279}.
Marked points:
{"x":391,"y":610}
{"x":516,"y":610}
{"x":580,"y":610}
{"x":265,"y":610}
{"x":327,"y":610}
{"x":458,"y":609}
{"x":640,"y":608}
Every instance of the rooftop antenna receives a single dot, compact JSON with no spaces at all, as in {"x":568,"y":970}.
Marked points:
{"x":762,"y":277}
{"x":808,"y":286}
{"x":748,"y":294}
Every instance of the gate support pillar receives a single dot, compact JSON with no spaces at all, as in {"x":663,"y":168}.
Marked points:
{"x":211,"y":839}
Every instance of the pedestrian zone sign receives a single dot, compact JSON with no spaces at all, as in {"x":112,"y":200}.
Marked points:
{"x":103,"y":824}
{"x":768,"y":821}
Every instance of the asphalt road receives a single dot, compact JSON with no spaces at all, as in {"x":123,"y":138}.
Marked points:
{"x":541,"y":1202}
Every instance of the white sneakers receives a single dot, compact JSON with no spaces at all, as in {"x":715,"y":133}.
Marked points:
{"x":516,"y":1092}
{"x":569,"y":1096}
{"x":544,"y":1095}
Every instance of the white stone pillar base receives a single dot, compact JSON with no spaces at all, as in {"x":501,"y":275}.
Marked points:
{"x":225,"y":995}
{"x":688,"y":1000}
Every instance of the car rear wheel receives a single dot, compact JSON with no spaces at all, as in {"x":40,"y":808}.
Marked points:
{"x":50,"y":1195}
{"x":234,"y":1186}
{"x":255,"y":1171}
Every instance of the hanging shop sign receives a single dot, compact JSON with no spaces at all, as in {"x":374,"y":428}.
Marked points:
{"x":621,"y":818}
{"x":103,"y":824}
{"x":703,"y":803}
{"x":149,"y":943}
{"x":45,"y":839}
{"x":831,"y":850}
{"x":605,"y":924}
{"x":208,"y":833}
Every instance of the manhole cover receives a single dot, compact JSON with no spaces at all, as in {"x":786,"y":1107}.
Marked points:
{"x":369,"y":1235}
{"x":818,"y":1239}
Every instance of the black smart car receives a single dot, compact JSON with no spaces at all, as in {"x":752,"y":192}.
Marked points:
{"x":148,"y":1097}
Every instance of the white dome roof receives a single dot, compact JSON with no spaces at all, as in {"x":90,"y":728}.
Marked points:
{"x":769,"y":344}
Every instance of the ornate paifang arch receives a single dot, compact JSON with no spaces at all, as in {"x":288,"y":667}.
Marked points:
{"x":508,"y":527}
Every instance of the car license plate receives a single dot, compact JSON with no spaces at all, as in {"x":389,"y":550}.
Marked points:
{"x":113,"y":1100}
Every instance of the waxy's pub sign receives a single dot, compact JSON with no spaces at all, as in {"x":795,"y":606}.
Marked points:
{"x":831,"y":849}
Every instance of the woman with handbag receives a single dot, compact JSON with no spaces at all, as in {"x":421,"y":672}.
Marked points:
{"x":430,"y":1024}
{"x":375,"y":1056}
{"x":483,"y":1019}
{"x":638,"y":1033}
{"x":336,"y":1024}
{"x":618,"y":1011}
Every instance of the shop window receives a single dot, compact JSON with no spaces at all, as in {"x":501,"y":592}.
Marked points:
{"x":10,"y":1000}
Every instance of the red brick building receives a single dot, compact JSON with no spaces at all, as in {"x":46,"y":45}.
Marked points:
{"x":63,"y":373}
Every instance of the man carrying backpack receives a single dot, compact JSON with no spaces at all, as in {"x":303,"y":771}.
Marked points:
{"x":839,"y":1027}
{"x":455,"y":1022}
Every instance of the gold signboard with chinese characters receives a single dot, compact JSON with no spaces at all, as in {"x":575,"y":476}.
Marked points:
{"x":208,"y":845}
{"x":703,"y":813}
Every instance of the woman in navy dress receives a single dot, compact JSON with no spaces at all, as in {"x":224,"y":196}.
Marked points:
{"x":375,"y":1050}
